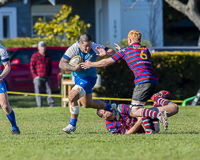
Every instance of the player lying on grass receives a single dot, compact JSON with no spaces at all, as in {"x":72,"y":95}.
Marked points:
{"x":128,"y":124}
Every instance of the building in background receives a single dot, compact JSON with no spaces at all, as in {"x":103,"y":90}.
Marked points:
{"x":110,"y":20}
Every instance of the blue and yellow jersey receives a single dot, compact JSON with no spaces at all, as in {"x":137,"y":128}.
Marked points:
{"x":75,"y":50}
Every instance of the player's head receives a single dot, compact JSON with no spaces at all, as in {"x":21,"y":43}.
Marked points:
{"x":105,"y":114}
{"x":85,"y":43}
{"x":134,"y":36}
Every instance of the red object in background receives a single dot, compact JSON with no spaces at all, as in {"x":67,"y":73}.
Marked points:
{"x":20,"y":78}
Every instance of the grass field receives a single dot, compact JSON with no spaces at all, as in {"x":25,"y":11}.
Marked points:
{"x":42,"y":138}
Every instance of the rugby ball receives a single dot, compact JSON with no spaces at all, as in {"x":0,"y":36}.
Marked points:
{"x":75,"y":60}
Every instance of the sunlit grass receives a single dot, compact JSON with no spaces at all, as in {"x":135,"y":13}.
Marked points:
{"x":42,"y":137}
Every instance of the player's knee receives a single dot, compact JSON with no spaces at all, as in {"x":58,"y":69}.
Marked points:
{"x":175,"y":107}
{"x":72,"y":98}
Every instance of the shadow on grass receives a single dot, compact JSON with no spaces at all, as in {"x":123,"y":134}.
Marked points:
{"x":192,"y":132}
{"x":29,"y":101}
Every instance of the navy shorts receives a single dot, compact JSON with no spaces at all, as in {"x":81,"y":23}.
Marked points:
{"x":86,"y":83}
{"x":3,"y":87}
{"x":142,"y":92}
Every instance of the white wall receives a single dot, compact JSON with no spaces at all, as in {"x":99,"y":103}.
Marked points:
{"x":11,"y":12}
{"x":138,"y":18}
{"x":114,"y":19}
{"x":108,"y":21}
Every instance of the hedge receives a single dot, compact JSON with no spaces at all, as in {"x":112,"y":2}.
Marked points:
{"x":177,"y":73}
{"x":29,"y":42}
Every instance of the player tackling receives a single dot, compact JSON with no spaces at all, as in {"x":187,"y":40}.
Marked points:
{"x":84,"y":79}
{"x":138,"y":59}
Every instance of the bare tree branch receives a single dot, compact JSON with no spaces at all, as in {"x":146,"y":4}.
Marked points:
{"x":189,"y":9}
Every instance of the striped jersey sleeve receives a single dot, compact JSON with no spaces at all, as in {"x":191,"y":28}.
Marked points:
{"x":119,"y":55}
{"x":120,"y":127}
{"x":71,"y":51}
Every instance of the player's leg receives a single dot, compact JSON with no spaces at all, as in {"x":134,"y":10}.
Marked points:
{"x":126,"y":109}
{"x":163,"y":94}
{"x":81,"y":91}
{"x":74,"y":96}
{"x":166,"y":104}
{"x":141,"y":93}
{"x":7,"y":109}
{"x":87,"y":101}
{"x":37,"y":85}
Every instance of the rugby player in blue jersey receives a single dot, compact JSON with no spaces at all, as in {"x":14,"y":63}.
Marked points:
{"x":128,"y":124}
{"x":138,"y":59}
{"x":84,"y":79}
{"x":3,"y":90}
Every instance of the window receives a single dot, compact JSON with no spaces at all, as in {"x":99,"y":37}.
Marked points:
{"x":24,"y":55}
{"x":46,"y":18}
{"x":6,"y":26}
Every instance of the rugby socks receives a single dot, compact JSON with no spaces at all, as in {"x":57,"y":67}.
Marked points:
{"x":12,"y":120}
{"x":73,"y":121}
{"x":124,"y":109}
{"x":155,"y":104}
{"x":147,"y":124}
{"x":108,"y":107}
{"x":150,"y":113}
{"x":161,"y":101}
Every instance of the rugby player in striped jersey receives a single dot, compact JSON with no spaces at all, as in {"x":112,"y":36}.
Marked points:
{"x":128,"y":124}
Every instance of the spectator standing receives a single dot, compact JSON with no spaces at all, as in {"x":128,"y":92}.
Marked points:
{"x":41,"y":68}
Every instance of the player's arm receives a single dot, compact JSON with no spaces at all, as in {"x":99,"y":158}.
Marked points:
{"x":64,"y":64}
{"x":5,"y":71}
{"x":135,"y":128}
{"x":101,"y":63}
{"x":104,"y":51}
{"x":109,"y":51}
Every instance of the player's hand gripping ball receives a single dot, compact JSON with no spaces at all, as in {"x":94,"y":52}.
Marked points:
{"x":75,"y":60}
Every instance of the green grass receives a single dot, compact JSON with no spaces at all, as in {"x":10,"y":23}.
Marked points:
{"x":42,"y":138}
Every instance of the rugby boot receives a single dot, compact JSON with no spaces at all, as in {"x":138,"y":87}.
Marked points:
{"x":15,"y":131}
{"x":163,"y":119}
{"x":69,"y":128}
{"x":115,"y":112}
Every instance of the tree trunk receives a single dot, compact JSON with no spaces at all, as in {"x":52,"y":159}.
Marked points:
{"x":189,"y":9}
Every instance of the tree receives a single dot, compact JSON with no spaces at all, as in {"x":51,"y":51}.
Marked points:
{"x":4,"y":2}
{"x":190,"y":10}
{"x":62,"y":26}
